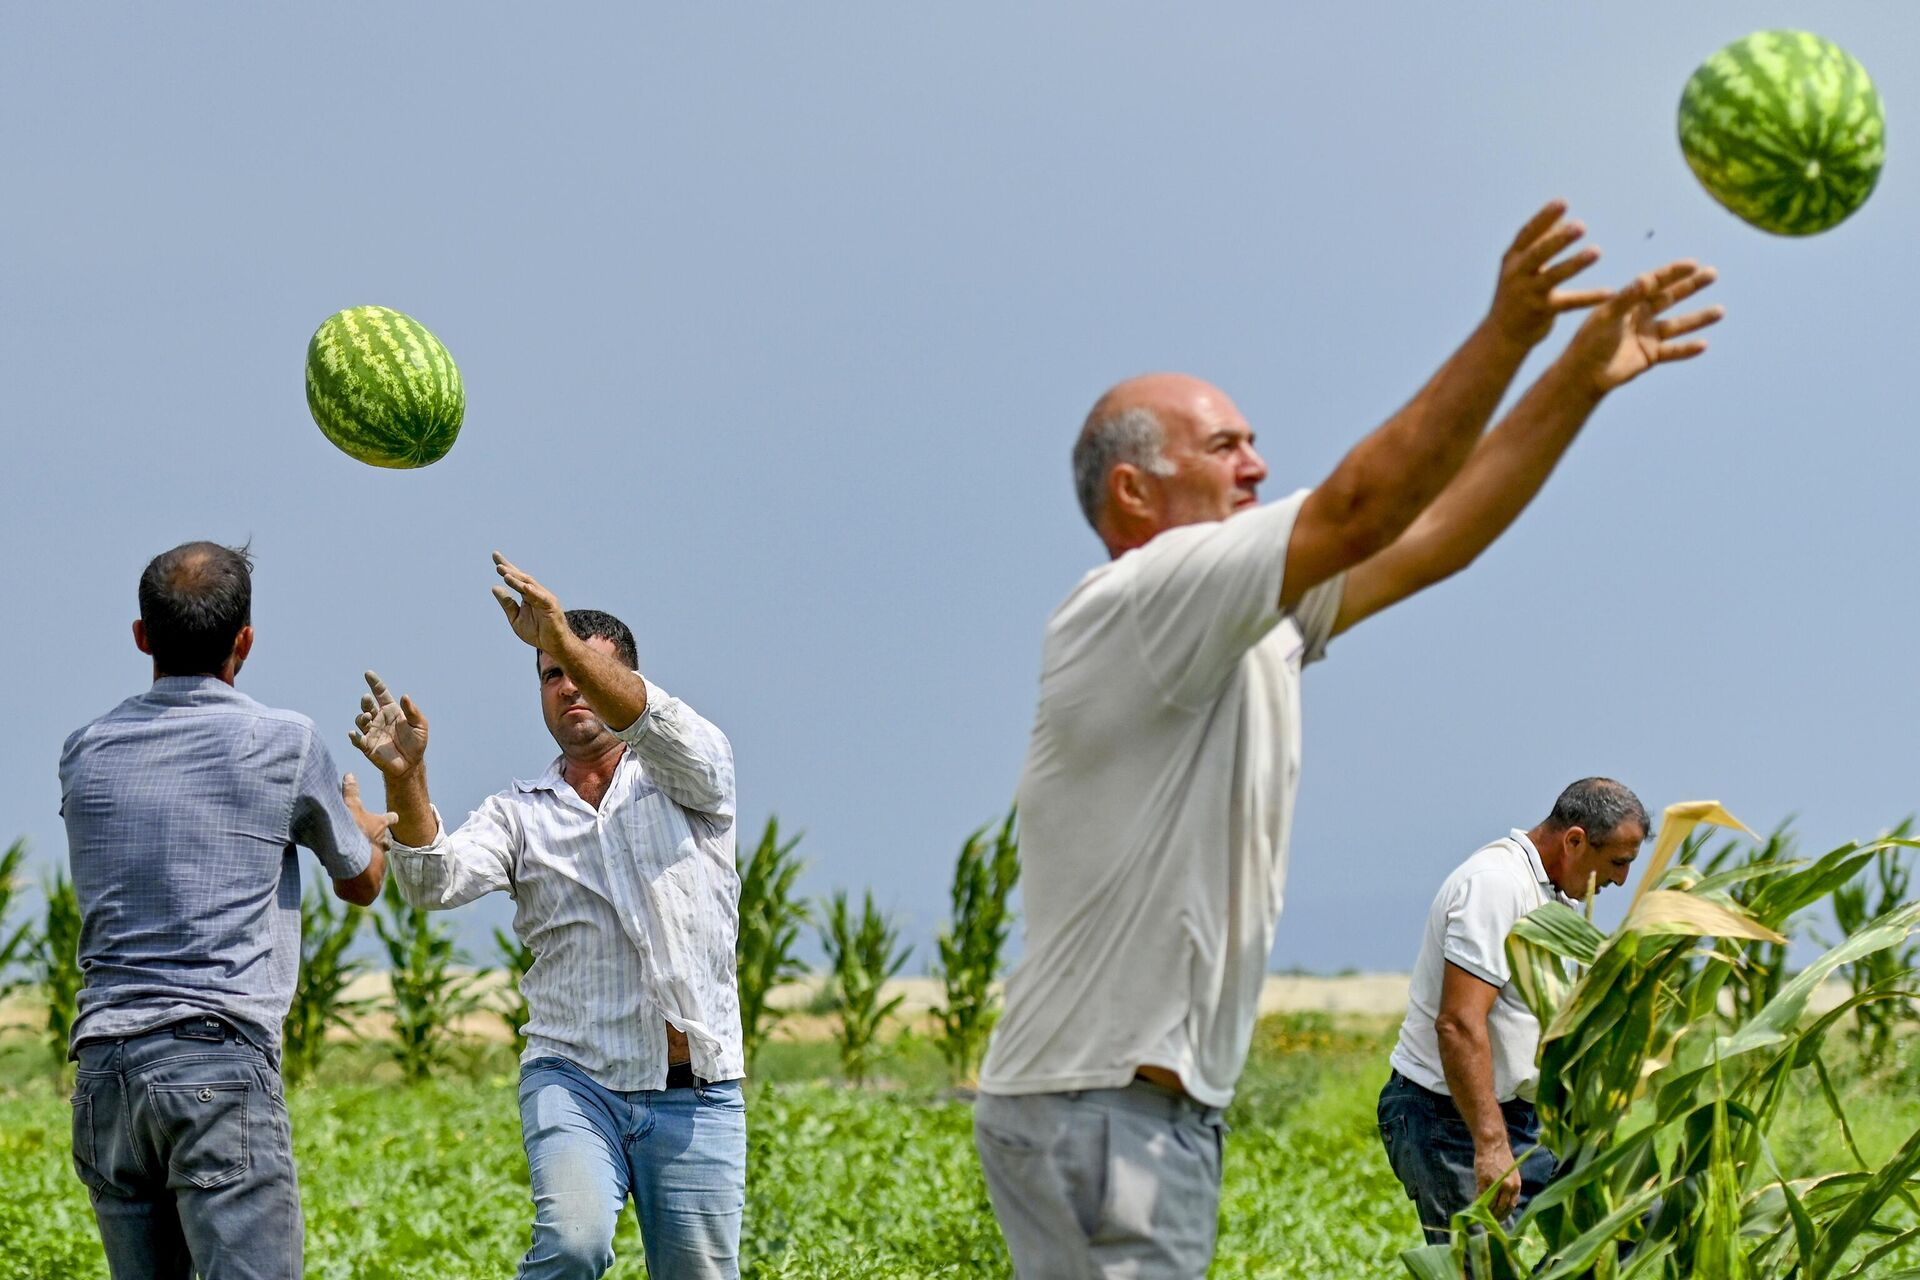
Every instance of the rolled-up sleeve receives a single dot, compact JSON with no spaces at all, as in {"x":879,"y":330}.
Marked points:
{"x":687,"y":757}
{"x":320,"y":818}
{"x":455,"y":869}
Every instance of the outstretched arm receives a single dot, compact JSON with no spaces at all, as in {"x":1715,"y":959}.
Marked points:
{"x":1623,"y":338}
{"x":617,"y":695}
{"x":434,"y":869}
{"x":688,"y":757}
{"x":1390,"y":477}
{"x":394,"y":737}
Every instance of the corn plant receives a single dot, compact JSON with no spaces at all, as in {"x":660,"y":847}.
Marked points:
{"x":1658,"y":1100}
{"x":518,"y":958}
{"x":970,"y":946}
{"x":1760,"y":964}
{"x":430,"y":993}
{"x":770,"y":920}
{"x":58,"y":965}
{"x":861,"y":954}
{"x":1854,"y":904}
{"x":15,"y":947}
{"x":320,"y":1003}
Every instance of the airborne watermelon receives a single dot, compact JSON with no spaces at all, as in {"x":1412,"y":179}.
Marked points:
{"x":1785,"y":129}
{"x":383,"y":389}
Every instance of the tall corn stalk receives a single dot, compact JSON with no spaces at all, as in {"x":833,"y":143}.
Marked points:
{"x":430,"y":994}
{"x":320,"y":1002}
{"x":862,"y":955}
{"x":1854,"y":904}
{"x":1658,"y":1101}
{"x":770,"y":918}
{"x":16,"y":947}
{"x":970,"y":946}
{"x":57,"y":965}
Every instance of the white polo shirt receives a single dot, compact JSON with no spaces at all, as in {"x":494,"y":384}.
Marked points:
{"x":1467,"y":926}
{"x":1154,"y":811}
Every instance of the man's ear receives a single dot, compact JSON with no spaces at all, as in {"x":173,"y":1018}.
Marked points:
{"x":1127,"y":490}
{"x":1574,"y":839}
{"x":242,"y":645}
{"x":140,"y":636}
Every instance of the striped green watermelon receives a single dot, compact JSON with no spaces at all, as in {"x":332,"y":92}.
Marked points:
{"x":383,"y":389}
{"x":1784,"y":129}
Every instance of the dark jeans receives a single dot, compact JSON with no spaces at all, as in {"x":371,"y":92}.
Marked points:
{"x":1431,"y":1150}
{"x":187,"y":1155}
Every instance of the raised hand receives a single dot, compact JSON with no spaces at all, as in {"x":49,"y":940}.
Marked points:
{"x":1528,"y":296}
{"x":536,"y":617}
{"x":373,"y":825}
{"x":392,"y":735}
{"x":1630,"y":332}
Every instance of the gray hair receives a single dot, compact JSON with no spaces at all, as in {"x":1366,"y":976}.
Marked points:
{"x":1598,"y":806}
{"x":1132,"y":436}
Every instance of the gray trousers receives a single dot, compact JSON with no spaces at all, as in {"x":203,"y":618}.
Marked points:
{"x":1103,"y":1183}
{"x":184,"y":1144}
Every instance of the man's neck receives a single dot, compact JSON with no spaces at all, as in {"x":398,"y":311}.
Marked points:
{"x":1553,"y":858}
{"x":589,"y":772}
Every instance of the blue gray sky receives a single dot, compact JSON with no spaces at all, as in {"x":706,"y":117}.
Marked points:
{"x":777,"y":325}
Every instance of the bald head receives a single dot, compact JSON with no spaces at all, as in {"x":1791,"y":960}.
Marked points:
{"x":1162,"y":450}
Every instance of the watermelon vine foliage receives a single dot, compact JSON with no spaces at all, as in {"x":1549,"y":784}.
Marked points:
{"x":1661,"y":1077}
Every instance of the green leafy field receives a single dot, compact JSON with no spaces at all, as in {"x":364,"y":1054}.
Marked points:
{"x":429,"y":1180}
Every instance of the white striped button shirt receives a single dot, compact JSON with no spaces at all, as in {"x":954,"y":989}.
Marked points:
{"x":631,"y":910}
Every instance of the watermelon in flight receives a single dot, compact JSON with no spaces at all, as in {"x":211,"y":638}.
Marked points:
{"x":383,"y":389}
{"x":1785,"y":129}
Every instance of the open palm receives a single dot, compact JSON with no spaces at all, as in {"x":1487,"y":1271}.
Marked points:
{"x":393,"y":735}
{"x":1630,"y":332}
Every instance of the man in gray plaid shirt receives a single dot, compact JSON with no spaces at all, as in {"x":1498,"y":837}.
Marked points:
{"x":183,"y":806}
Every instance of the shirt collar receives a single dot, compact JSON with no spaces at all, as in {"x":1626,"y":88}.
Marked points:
{"x":548,"y":781}
{"x":183,"y":691}
{"x":1525,"y":842}
{"x":553,"y":779}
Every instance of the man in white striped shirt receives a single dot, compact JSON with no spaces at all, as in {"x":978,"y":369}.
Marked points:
{"x":620,"y":862}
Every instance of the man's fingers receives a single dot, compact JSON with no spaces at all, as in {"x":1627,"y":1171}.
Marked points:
{"x":1684,"y":287}
{"x":1567,"y":269}
{"x":411,"y":711}
{"x":1671,"y":351}
{"x":1548,"y":247}
{"x":1693,"y":323}
{"x":350,"y":790}
{"x":1576,"y":299}
{"x":508,"y":604}
{"x":1536,"y":227}
{"x":381,"y":694}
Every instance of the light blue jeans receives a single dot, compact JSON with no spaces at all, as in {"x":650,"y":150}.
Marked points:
{"x":680,"y":1153}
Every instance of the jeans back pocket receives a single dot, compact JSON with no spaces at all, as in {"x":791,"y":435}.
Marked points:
{"x":85,"y":1162}
{"x":205,"y":1123}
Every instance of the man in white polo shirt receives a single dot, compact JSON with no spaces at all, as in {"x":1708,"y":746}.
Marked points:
{"x":1158,"y":790}
{"x":1457,"y":1113}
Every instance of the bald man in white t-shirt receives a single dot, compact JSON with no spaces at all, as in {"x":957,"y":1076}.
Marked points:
{"x":1158,"y":790}
{"x":1457,"y":1112}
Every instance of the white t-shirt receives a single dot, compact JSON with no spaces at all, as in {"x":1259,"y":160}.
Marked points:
{"x":1468,"y":925}
{"x":1154,"y":811}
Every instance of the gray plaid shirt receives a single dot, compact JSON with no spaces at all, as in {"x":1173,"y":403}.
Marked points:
{"x":183,"y":806}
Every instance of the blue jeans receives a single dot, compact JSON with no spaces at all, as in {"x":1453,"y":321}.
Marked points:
{"x":1431,"y":1150}
{"x":680,"y":1153}
{"x":186,"y":1151}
